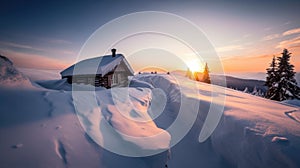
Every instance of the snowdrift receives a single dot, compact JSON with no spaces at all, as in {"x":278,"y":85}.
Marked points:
{"x":126,"y":128}
{"x":60,"y":84}
{"x":40,"y":74}
{"x":10,"y":76}
{"x":255,"y":132}
{"x":252,"y":132}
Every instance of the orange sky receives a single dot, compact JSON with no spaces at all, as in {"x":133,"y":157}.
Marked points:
{"x":256,"y":63}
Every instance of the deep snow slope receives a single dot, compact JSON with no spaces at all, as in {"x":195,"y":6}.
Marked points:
{"x":39,"y":127}
{"x":253,"y":131}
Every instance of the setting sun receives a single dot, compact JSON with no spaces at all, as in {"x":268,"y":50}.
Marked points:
{"x":194,"y":66}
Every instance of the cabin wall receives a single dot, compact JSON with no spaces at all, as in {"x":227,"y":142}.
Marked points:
{"x":109,"y":80}
{"x":120,"y":75}
{"x":95,"y":80}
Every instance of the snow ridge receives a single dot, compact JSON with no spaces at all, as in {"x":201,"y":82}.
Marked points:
{"x":60,"y":151}
{"x":10,"y":76}
{"x":291,"y":114}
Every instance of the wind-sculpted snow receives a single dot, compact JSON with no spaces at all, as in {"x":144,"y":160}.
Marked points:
{"x":252,"y":132}
{"x":118,"y":120}
{"x":10,"y":76}
{"x":255,"y":132}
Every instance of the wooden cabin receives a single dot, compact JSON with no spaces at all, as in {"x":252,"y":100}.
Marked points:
{"x":105,"y":71}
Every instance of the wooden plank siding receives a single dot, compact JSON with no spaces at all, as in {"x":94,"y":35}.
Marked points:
{"x":95,"y":80}
{"x":117,"y":77}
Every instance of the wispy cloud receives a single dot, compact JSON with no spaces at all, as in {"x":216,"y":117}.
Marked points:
{"x":292,"y":31}
{"x":271,"y":37}
{"x":289,"y":43}
{"x":229,"y":48}
{"x":44,"y":50}
{"x":26,"y":60}
{"x":22,"y":46}
{"x":59,"y":41}
{"x":286,"y":33}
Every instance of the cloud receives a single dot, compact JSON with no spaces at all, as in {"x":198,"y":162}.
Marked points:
{"x":286,"y":33}
{"x":16,"y":45}
{"x":26,"y":60}
{"x":271,"y":37}
{"x":295,"y":46}
{"x":292,"y":31}
{"x":229,"y":48}
{"x":59,"y":41}
{"x":28,"y":47}
{"x":289,"y":43}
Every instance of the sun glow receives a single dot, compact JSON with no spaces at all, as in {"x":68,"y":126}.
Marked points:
{"x":194,"y":66}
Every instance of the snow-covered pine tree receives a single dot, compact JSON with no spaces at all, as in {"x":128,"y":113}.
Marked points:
{"x":271,"y":73}
{"x":272,"y":80}
{"x":287,"y":82}
{"x":283,"y":85}
{"x":206,"y":77}
{"x":246,"y":90}
{"x":255,"y":92}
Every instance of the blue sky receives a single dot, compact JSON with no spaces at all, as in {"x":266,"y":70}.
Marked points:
{"x":52,"y":32}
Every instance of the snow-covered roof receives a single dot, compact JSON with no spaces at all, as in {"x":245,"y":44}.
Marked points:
{"x":98,"y":65}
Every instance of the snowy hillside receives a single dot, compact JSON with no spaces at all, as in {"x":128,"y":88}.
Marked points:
{"x":39,"y":126}
{"x":242,"y":84}
{"x":248,"y":85}
{"x":10,"y":76}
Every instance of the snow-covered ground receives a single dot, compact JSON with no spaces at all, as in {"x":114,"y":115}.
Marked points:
{"x":40,"y":74}
{"x":10,"y":76}
{"x":39,"y":126}
{"x":294,"y":102}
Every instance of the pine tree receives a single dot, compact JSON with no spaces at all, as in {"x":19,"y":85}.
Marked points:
{"x":254,"y":92}
{"x":206,"y":77}
{"x":271,"y":73}
{"x":189,"y":74}
{"x":272,"y":80}
{"x":282,"y":85}
{"x":246,"y":90}
{"x":287,"y":82}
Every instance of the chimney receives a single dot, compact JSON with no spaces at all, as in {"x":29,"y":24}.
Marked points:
{"x":113,"y":52}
